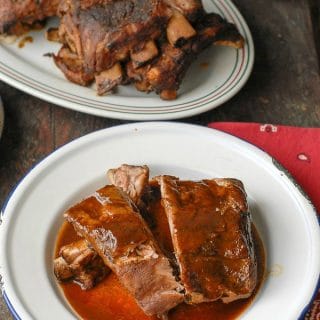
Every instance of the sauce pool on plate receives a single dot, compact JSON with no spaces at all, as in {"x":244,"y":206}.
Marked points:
{"x":110,"y":301}
{"x":24,"y":40}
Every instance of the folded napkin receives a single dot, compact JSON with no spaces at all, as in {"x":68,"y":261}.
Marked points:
{"x":298,"y":150}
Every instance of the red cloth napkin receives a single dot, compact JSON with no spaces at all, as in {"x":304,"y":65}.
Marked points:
{"x":298,"y":150}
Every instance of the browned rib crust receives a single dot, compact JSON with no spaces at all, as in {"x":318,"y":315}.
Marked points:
{"x":72,"y":67}
{"x":211,"y":233}
{"x":103,"y":33}
{"x":110,"y":223}
{"x":165,"y":74}
{"x":132,"y":180}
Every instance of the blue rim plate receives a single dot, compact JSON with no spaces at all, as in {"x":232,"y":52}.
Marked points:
{"x":283,"y":215}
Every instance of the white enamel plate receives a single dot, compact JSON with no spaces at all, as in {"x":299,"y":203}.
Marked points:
{"x":215,"y":77}
{"x":283,"y":215}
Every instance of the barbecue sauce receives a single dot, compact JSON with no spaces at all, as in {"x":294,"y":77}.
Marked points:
{"x":24,"y":40}
{"x":110,"y":301}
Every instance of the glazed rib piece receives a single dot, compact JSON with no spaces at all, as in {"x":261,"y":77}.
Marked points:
{"x":134,"y":181}
{"x":79,"y":263}
{"x":211,"y":233}
{"x":109,"y":221}
{"x":17,"y":17}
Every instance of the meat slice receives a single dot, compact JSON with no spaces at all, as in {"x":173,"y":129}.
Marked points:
{"x":17,"y":17}
{"x":157,"y":220}
{"x":109,"y":221}
{"x":211,"y":232}
{"x":78,"y":262}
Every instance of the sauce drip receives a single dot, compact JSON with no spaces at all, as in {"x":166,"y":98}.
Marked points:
{"x":204,"y":65}
{"x":24,"y":40}
{"x":110,"y":301}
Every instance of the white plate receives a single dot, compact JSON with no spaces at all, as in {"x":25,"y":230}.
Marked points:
{"x":284,"y":217}
{"x":202,"y":89}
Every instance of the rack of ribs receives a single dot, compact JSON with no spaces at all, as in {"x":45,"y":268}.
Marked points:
{"x":145,"y":42}
{"x":133,"y":180}
{"x":98,"y":35}
{"x":211,"y":233}
{"x":110,"y":222}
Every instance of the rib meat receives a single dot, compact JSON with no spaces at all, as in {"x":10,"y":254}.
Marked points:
{"x":154,"y":40}
{"x":17,"y":17}
{"x":165,"y":75}
{"x":211,"y":233}
{"x":103,"y":33}
{"x":133,"y":180}
{"x":78,"y":262}
{"x":109,"y":221}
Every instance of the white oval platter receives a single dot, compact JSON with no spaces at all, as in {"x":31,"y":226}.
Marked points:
{"x":203,"y":88}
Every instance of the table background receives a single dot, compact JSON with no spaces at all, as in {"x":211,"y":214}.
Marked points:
{"x":284,"y":88}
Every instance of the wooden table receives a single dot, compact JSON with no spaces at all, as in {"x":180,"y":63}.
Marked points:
{"x":284,"y":88}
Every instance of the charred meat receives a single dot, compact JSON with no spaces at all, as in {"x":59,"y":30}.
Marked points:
{"x":165,"y":74}
{"x":152,"y":43}
{"x":109,"y":221}
{"x":103,"y":33}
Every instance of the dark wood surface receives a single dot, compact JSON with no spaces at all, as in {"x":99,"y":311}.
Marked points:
{"x":284,"y":88}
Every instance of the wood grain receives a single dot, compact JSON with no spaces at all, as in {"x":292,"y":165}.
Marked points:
{"x":315,"y":20}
